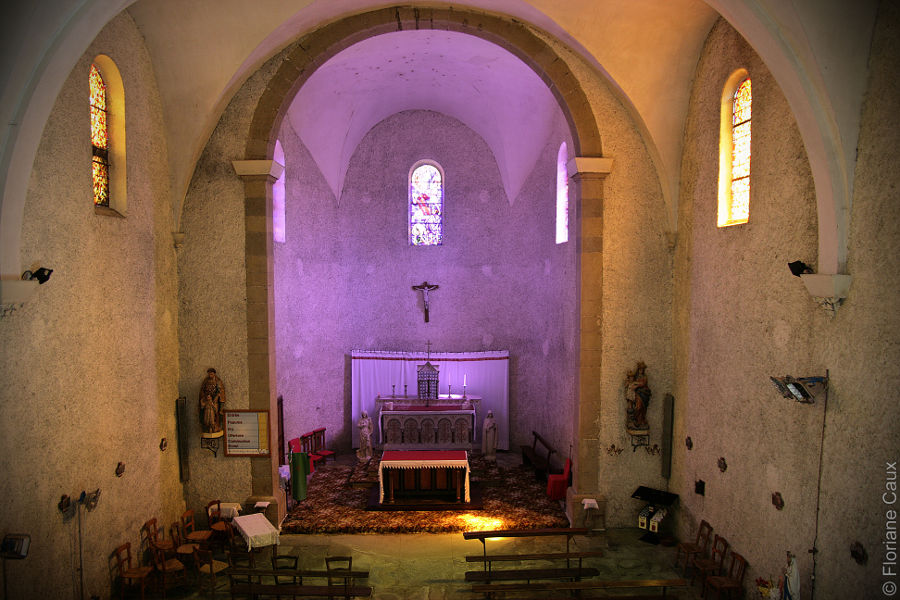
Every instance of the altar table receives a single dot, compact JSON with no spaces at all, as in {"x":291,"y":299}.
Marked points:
{"x":423,"y":463}
{"x":256,"y":530}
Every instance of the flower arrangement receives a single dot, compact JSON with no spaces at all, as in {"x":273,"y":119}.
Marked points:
{"x":767,"y":589}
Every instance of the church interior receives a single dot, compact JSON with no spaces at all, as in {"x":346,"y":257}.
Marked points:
{"x":691,"y":194}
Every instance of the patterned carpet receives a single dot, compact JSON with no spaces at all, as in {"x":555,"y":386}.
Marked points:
{"x":337,"y":496}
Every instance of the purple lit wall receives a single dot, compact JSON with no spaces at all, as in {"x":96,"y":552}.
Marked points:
{"x":343,"y":277}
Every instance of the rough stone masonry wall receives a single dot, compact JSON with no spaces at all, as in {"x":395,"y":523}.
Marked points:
{"x":741,"y":317}
{"x":89,"y":365}
{"x":343,"y":276}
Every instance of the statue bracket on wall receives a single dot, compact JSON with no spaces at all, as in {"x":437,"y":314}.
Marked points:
{"x":210,"y":441}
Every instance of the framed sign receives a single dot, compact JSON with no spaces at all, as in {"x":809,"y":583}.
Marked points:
{"x":246,"y":433}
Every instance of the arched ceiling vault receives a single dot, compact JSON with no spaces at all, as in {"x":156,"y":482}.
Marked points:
{"x":203,"y":50}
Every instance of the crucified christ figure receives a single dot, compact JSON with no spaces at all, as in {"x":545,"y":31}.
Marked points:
{"x":425,"y":288}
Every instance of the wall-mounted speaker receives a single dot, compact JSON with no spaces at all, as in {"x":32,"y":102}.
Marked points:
{"x":181,"y":424}
{"x":666,"y":452}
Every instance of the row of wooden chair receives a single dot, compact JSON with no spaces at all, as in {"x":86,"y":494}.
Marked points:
{"x":167,"y":557}
{"x":710,"y":564}
{"x":313,"y":443}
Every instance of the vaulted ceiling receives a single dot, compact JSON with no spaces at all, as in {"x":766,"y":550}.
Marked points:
{"x":203,"y":50}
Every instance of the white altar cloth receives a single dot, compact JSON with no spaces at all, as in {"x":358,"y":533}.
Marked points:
{"x":256,"y":530}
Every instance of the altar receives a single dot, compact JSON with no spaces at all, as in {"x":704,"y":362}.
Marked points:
{"x":423,"y":473}
{"x":447,"y":422}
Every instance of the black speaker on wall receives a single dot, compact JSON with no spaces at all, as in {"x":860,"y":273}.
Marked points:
{"x":666,"y":451}
{"x":181,"y":424}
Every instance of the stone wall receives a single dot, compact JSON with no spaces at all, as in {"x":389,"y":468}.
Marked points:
{"x":344,"y":275}
{"x":89,"y":365}
{"x":741,"y":317}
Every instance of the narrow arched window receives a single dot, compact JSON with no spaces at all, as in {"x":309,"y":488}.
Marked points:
{"x":99,"y":138}
{"x":734,"y":152}
{"x":562,"y":195}
{"x":278,"y":222}
{"x":107,"y":108}
{"x":426,"y":204}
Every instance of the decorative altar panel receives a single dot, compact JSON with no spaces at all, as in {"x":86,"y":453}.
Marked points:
{"x":486,"y":375}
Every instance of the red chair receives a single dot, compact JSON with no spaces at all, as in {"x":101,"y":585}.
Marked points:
{"x":319,"y":444}
{"x":307,"y":445}
{"x":557,"y":484}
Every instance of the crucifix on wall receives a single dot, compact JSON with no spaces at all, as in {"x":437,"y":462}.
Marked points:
{"x":425,"y":287}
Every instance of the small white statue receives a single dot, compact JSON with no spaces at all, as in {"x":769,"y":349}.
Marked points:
{"x":365,"y":437}
{"x":489,"y":437}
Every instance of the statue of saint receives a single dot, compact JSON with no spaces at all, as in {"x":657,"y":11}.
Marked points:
{"x":637,"y":396}
{"x":365,"y":437}
{"x":212,"y":399}
{"x":489,"y":437}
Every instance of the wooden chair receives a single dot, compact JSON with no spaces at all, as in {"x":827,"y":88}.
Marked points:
{"x":151,"y":535}
{"x":319,"y":444}
{"x":338,"y":569}
{"x":167,"y":568}
{"x":714,"y":564}
{"x":207,"y":569}
{"x":731,"y":581}
{"x":699,"y":547}
{"x":190,"y":531}
{"x":557,"y":484}
{"x":128,"y":574}
{"x":184,"y":550}
{"x":214,"y":514}
{"x":307,"y":445}
{"x":285,"y":569}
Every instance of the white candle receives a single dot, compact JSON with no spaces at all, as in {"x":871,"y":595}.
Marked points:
{"x":464,"y":380}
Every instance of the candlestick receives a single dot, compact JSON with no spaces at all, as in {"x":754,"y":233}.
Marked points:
{"x":404,"y":390}
{"x":393,"y":390}
{"x":449,"y":393}
{"x":464,"y":390}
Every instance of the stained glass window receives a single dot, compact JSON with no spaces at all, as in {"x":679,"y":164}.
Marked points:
{"x":426,"y":206}
{"x":562,"y":195}
{"x":99,"y":138}
{"x":740,"y":154}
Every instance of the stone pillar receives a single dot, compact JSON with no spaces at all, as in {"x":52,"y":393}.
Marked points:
{"x":587,"y":176}
{"x":258,"y":177}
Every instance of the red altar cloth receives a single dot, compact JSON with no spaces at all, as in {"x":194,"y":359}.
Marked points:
{"x":423,"y":455}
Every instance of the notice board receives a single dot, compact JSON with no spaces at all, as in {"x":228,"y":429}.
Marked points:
{"x":246,"y":433}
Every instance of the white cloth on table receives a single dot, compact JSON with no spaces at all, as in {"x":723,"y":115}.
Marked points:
{"x":256,"y":530}
{"x":227,"y":510}
{"x":418,"y":459}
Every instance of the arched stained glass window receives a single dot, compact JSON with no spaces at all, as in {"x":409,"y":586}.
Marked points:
{"x":562,"y":195}
{"x":734,"y":151}
{"x":99,"y":139}
{"x":426,"y":204}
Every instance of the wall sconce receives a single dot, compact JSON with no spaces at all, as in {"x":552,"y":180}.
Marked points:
{"x":802,"y":389}
{"x":16,"y":292}
{"x":777,"y":501}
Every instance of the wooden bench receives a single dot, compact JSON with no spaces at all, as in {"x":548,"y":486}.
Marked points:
{"x":538,"y":456}
{"x":569,"y":572}
{"x":592,"y":584}
{"x":256,"y":583}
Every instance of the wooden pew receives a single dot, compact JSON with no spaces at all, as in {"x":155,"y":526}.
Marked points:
{"x":569,"y":572}
{"x":538,"y":456}
{"x":261,"y":581}
{"x":592,"y":584}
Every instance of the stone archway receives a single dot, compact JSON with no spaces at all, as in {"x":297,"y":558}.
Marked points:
{"x":297,"y":65}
